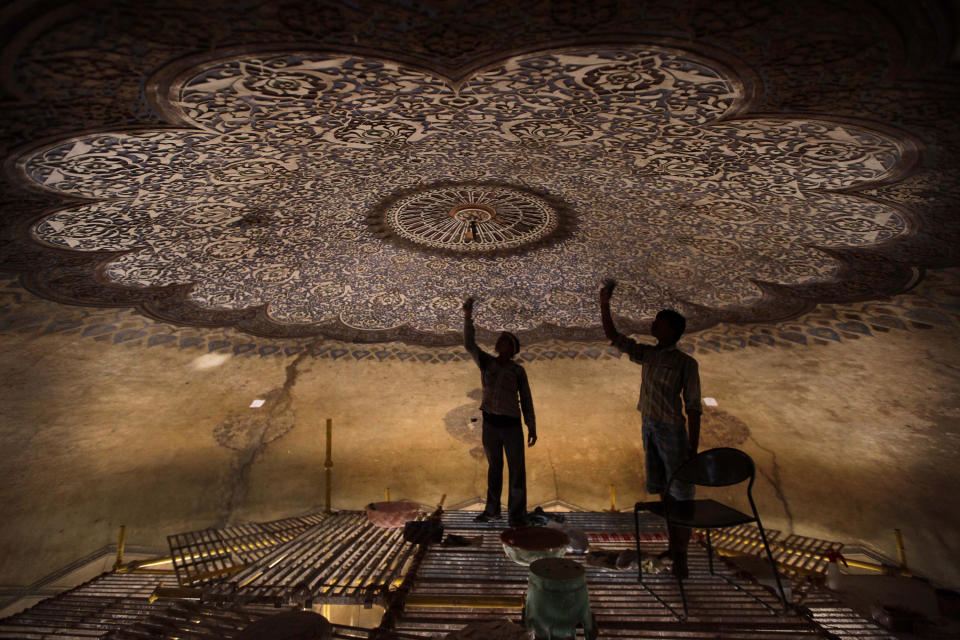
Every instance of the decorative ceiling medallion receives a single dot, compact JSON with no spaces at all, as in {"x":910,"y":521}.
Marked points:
{"x":471,"y":218}
{"x":254,"y":210}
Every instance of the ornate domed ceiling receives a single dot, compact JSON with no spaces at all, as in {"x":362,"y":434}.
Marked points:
{"x":294,"y":190}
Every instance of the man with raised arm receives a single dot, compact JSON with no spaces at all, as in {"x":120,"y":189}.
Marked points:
{"x":506,"y":393}
{"x":668,"y":376}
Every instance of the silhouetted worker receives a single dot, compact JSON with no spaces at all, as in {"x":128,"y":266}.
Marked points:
{"x":505,"y":392}
{"x":668,"y":375}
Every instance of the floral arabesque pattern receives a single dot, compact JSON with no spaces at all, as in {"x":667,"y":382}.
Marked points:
{"x":263,"y":200}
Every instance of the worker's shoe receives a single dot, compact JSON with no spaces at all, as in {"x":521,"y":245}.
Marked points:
{"x":486,"y":517}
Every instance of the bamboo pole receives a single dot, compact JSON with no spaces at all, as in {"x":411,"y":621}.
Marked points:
{"x":328,"y":466}
{"x":901,"y":551}
{"x":121,"y":543}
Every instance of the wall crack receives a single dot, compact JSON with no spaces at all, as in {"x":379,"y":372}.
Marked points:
{"x":248,"y":434}
{"x":775,"y":481}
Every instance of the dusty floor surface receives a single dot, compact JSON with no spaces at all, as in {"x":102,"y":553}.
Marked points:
{"x":851,"y":440}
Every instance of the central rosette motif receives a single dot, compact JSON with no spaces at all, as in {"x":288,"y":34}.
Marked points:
{"x":260,"y":196}
{"x":471,"y":218}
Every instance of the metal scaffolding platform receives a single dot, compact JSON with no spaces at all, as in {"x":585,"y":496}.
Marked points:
{"x":204,"y":556}
{"x":185,"y":621}
{"x":92,"y":610}
{"x":623,"y":608}
{"x":793,"y":553}
{"x":340,"y":558}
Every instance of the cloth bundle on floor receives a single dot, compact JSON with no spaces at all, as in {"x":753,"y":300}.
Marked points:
{"x":627,"y":559}
{"x":423,"y":532}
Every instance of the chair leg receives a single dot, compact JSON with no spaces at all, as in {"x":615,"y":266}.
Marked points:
{"x":773,"y":564}
{"x":666,"y":605}
{"x":683,"y":599}
{"x":709,"y":552}
{"x":672,"y":536}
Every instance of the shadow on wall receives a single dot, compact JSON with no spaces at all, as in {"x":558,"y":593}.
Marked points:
{"x":721,"y":429}
{"x":464,"y":423}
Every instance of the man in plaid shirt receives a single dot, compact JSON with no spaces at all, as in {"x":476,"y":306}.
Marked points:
{"x":669,"y":376}
{"x":506,"y":393}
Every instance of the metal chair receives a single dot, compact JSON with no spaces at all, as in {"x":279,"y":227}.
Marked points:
{"x":718,"y":467}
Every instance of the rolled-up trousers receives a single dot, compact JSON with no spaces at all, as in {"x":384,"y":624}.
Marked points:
{"x":504,"y":435}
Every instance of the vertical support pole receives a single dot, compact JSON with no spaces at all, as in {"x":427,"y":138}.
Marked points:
{"x":613,"y":498}
{"x":636,"y":533}
{"x":901,"y":551}
{"x":709,"y":552}
{"x":121,"y":543}
{"x":328,"y":465}
{"x":387,"y":493}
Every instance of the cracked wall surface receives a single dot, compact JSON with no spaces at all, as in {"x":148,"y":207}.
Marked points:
{"x":851,"y":439}
{"x":114,"y":413}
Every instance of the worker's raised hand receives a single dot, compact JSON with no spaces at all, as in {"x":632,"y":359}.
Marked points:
{"x":607,"y":291}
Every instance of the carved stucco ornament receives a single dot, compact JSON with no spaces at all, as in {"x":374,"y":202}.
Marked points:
{"x":525,"y":185}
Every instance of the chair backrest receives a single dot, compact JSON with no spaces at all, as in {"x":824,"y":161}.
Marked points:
{"x":718,"y":467}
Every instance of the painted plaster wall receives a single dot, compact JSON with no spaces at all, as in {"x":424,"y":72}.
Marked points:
{"x":851,"y":440}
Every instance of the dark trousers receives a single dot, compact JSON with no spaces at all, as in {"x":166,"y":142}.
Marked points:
{"x":504,"y":434}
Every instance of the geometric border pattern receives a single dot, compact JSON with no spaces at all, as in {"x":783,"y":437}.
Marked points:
{"x":933,"y":304}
